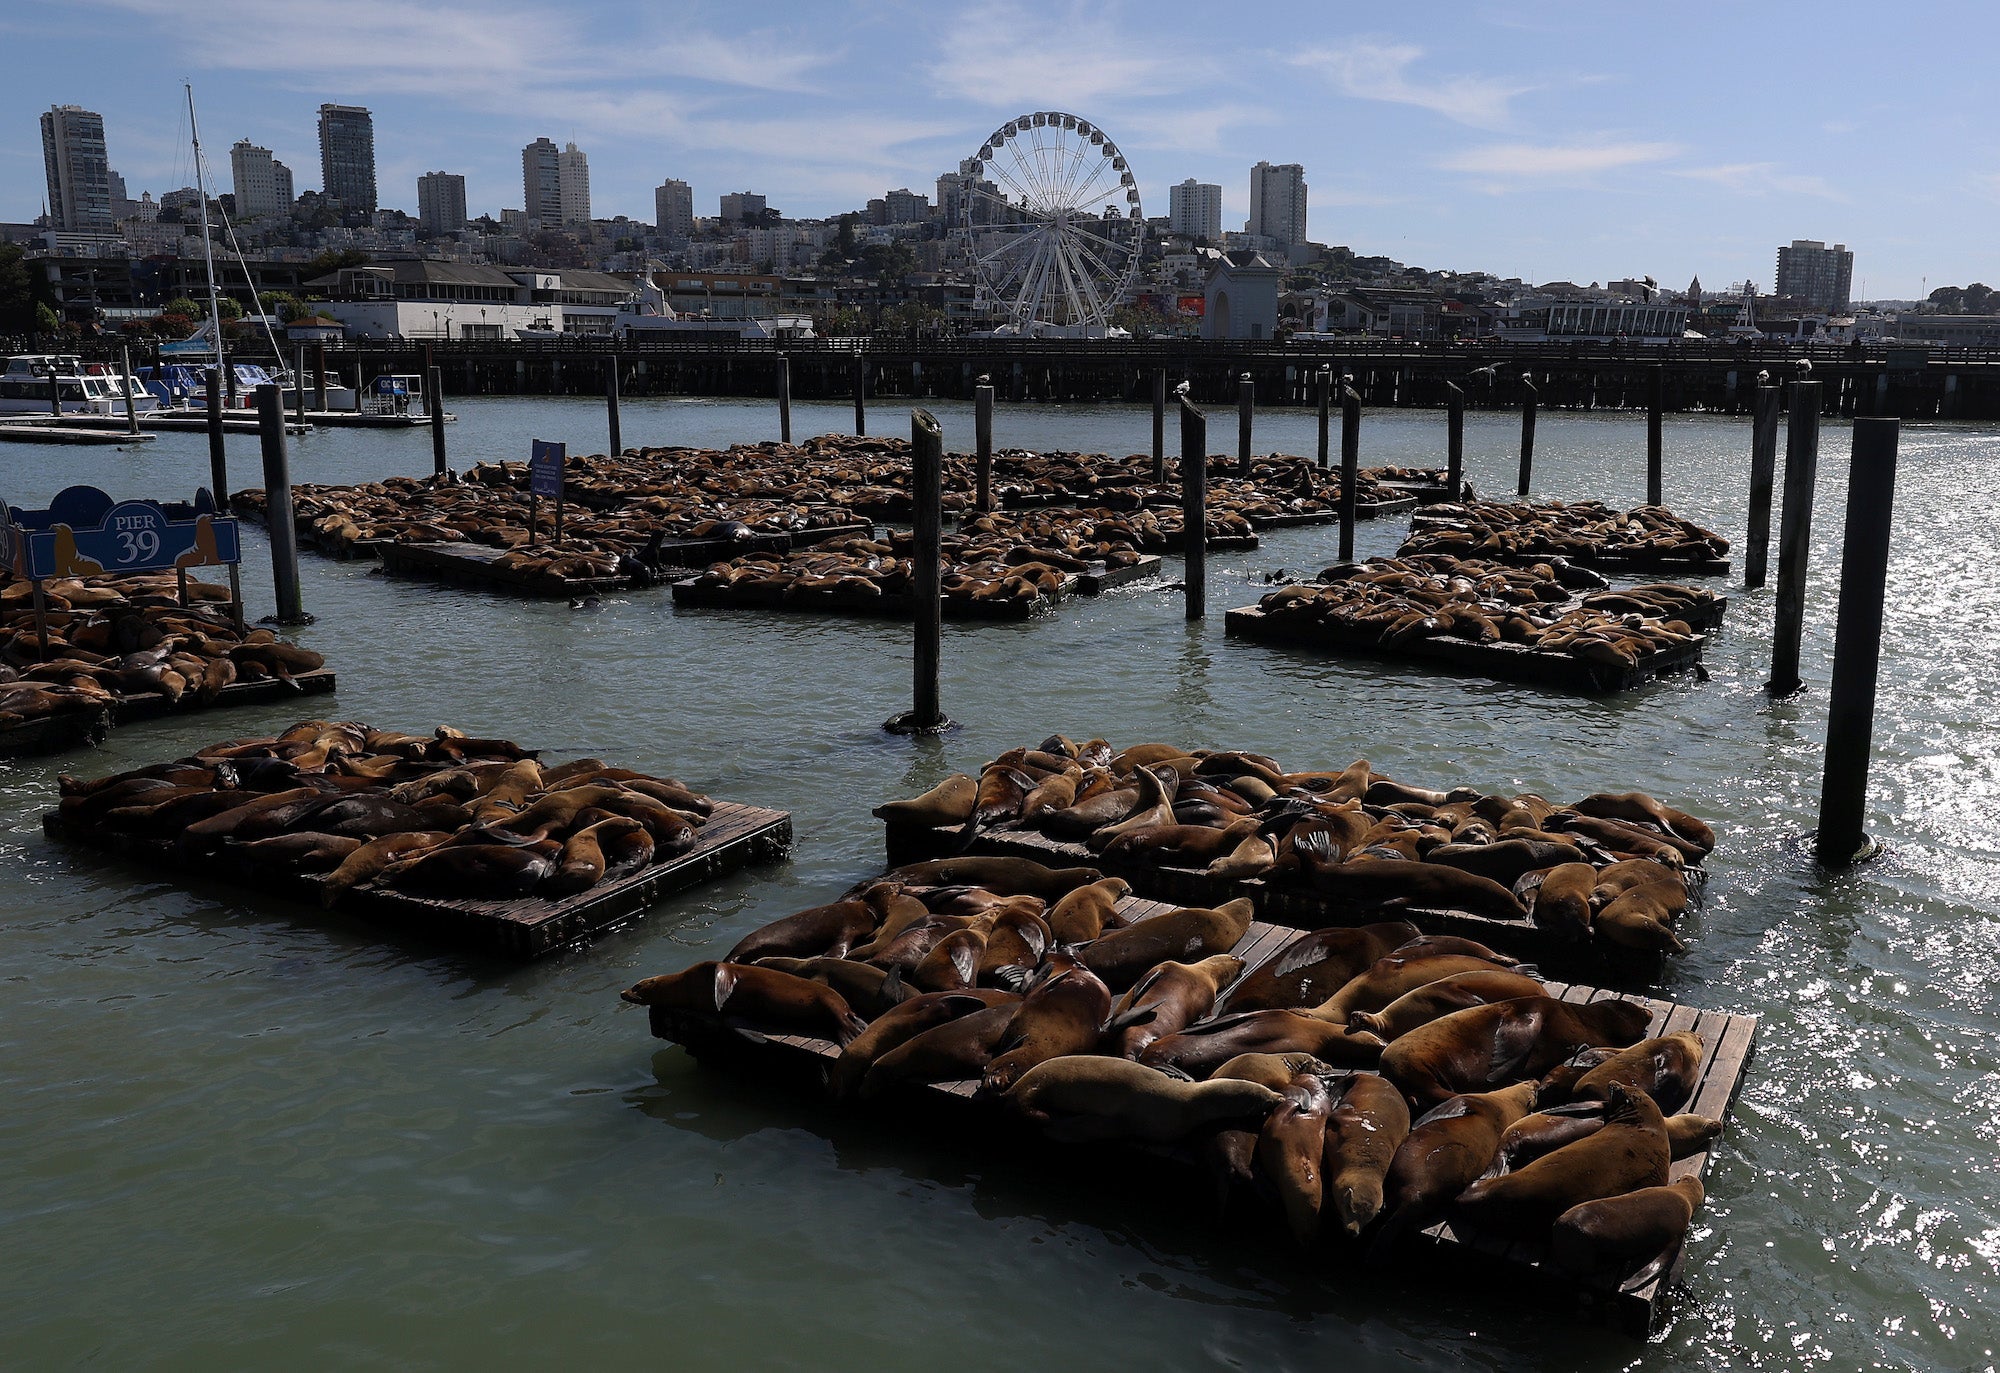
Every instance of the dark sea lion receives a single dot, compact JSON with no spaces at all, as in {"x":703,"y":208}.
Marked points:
{"x":1433,"y":1000}
{"x":259,"y":817}
{"x":1367,"y":1125}
{"x":1091,"y":814}
{"x":915,"y":943}
{"x":1631,"y":1151}
{"x":1613,"y":1234}
{"x":1166,"y":1000}
{"x":1008,"y":876}
{"x":1084,"y":912}
{"x":746,"y":996}
{"x":308,"y":851}
{"x":480,"y":872}
{"x":868,"y":989}
{"x":1376,"y":881}
{"x":1200,"y":1049}
{"x":365,"y":863}
{"x":1505,"y":860}
{"x":1397,"y":974}
{"x":950,"y":802}
{"x":1482,"y":1047}
{"x":1312,"y":968}
{"x":899,"y":1025}
{"x":1123,"y":956}
{"x":1664,"y":1068}
{"x":1447,"y":1149}
{"x":1561,"y":899}
{"x":951,"y":1052}
{"x":1062,"y":1014}
{"x":1290,"y":1153}
{"x":1621,"y":838}
{"x":1155,"y":808}
{"x":953,"y":962}
{"x":829,"y":931}
{"x":1088,"y":1097}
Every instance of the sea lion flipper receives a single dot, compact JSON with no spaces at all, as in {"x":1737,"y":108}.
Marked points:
{"x":893,"y":990}
{"x":1652,"y":1269}
{"x":724,"y":984}
{"x":1138,"y":1015}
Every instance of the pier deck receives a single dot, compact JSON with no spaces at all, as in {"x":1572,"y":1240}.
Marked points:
{"x":78,"y":729}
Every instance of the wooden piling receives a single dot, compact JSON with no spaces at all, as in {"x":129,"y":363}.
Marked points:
{"x":926,"y":715}
{"x":278,"y":506}
{"x":1350,"y":466}
{"x":319,"y":376}
{"x":55,"y":393}
{"x":1246,"y":408}
{"x":784,"y":398}
{"x":860,"y":394}
{"x":611,"y":404}
{"x":434,"y":398}
{"x":1763,"y":469}
{"x":1159,"y":426}
{"x":218,"y":463}
{"x":1527,"y":435}
{"x":1454,"y":440}
{"x":982,"y":429}
{"x":1656,"y":400}
{"x":125,"y":387}
{"x":1795,"y":537}
{"x":299,"y":383}
{"x":1325,"y":412}
{"x":1857,"y":644}
{"x":1194,"y":507}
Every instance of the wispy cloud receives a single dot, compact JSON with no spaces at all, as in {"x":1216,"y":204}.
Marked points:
{"x":1544,"y":160}
{"x":1375,"y":70}
{"x":994,"y":56}
{"x":1763,"y":178}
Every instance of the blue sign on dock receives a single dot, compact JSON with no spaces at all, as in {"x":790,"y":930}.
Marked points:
{"x":85,"y":533}
{"x":545,"y":468}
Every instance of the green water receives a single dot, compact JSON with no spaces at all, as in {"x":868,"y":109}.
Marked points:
{"x":240,"y":1133}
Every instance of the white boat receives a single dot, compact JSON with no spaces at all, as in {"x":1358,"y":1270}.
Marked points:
{"x":83,"y":388}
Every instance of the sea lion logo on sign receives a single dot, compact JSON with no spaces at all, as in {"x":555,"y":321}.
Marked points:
{"x":545,"y":468}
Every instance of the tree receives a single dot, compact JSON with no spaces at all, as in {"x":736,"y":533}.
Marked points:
{"x":1979,"y":299}
{"x":46,"y":321}
{"x":1141,"y":321}
{"x":886,"y":261}
{"x":283,"y":304}
{"x":337,"y":260}
{"x":23,"y":291}
{"x":844,"y":241}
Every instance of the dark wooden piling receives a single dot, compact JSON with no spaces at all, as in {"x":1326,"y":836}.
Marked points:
{"x":55,"y":393}
{"x":1159,"y":426}
{"x":278,"y":506}
{"x":1246,"y":409}
{"x":1527,"y":435}
{"x":1325,"y":413}
{"x":1857,"y":643}
{"x":1656,"y":400}
{"x":982,"y":431}
{"x":434,"y":398}
{"x":860,"y":396}
{"x":319,"y":376}
{"x":1763,"y":470}
{"x":926,"y":715}
{"x":611,"y":405}
{"x":299,"y":384}
{"x":1454,"y":440}
{"x":125,"y":387}
{"x":1795,"y":537}
{"x":784,"y":398}
{"x":218,"y":463}
{"x":1350,"y":465}
{"x":1194,"y":507}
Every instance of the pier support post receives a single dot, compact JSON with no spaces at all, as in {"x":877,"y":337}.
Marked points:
{"x":982,"y":430}
{"x":319,"y":376}
{"x":784,"y":398}
{"x":1527,"y":434}
{"x":218,"y":463}
{"x":1763,"y":471}
{"x":1325,"y":412}
{"x":926,"y":715}
{"x":1194,"y":508}
{"x":434,"y":398}
{"x":1656,"y":400}
{"x":1350,"y":465}
{"x":299,"y":383}
{"x":278,"y":507}
{"x":611,"y":404}
{"x":1246,"y":409}
{"x":1857,"y":644}
{"x":55,"y":393}
{"x":1159,"y":426}
{"x":1795,"y":537}
{"x":1454,"y":440}
{"x":125,"y":380}
{"x":860,"y":396}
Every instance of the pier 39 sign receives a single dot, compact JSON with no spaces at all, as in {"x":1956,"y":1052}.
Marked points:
{"x":86,"y":533}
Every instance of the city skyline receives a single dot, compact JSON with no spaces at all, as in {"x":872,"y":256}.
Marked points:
{"x":1455,"y":139}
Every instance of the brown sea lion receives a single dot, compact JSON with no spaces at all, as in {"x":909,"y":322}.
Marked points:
{"x":1532,"y":1136}
{"x":868,"y":989}
{"x":1166,"y":1000}
{"x":1379,"y":881}
{"x":953,"y":962}
{"x":308,"y":851}
{"x":1090,"y":1097}
{"x":746,"y":996}
{"x":1434,"y":1000}
{"x":1368,"y":1124}
{"x":1664,"y":1069}
{"x":1123,"y":956}
{"x":829,"y":931}
{"x":1561,"y":899}
{"x":1082,"y":914}
{"x":1631,"y":1151}
{"x":1312,"y":968}
{"x":1290,"y":1153}
{"x":1643,"y":917}
{"x":899,"y":1025}
{"x":1017,"y":941}
{"x":1506,"y":860}
{"x":1007,"y":876}
{"x":1612,"y":1234}
{"x":1397,"y":974}
{"x":951,"y":1052}
{"x":1063,"y":1013}
{"x":1447,"y":1149}
{"x":1200,"y":1049}
{"x":1091,"y":813}
{"x":950,"y":802}
{"x":478,"y":871}
{"x":1638,"y":808}
{"x":1482,"y":1047}
{"x":365,"y":863}
{"x":1615,"y":879}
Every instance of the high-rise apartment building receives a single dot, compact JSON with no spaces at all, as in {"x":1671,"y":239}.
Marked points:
{"x":78,"y":171}
{"x":673,"y":208}
{"x":573,"y":184}
{"x":263,"y":184}
{"x":1278,"y":202}
{"x":737,"y":204}
{"x":541,"y":182}
{"x":441,"y":202}
{"x":1195,"y":209}
{"x":1821,"y":276}
{"x":964,"y":198}
{"x":347,"y":156}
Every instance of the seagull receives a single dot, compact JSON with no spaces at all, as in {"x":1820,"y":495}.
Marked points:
{"x":1486,"y":371}
{"x":1182,"y":389}
{"x":1763,"y":378}
{"x":1805,"y":366}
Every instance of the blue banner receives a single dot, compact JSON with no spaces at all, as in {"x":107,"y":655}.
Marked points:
{"x":545,"y":468}
{"x":85,"y":533}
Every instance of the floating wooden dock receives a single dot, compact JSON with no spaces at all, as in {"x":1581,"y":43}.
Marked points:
{"x":50,"y":433}
{"x":1728,"y":1042}
{"x":82,"y":728}
{"x":1295,"y":907}
{"x":476,"y":564}
{"x":528,"y":927}
{"x":1507,"y":662}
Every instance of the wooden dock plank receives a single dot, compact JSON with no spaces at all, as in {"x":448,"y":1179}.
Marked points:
{"x":82,"y":728}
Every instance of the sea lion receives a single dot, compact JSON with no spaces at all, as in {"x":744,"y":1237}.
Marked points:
{"x":1397,"y":974}
{"x":953,"y":962}
{"x":1378,"y":881}
{"x":1088,"y":1097}
{"x":1506,"y":860}
{"x":1312,"y":968}
{"x":1155,"y":808}
{"x":1615,"y":879}
{"x":1007,"y":876}
{"x":1638,"y":808}
{"x":828,"y":931}
{"x":1424,"y":1004}
{"x":1664,"y":1068}
{"x":899,"y":1025}
{"x":1631,"y":1151}
{"x":956,"y":1050}
{"x":482,"y":872}
{"x":1366,"y":1127}
{"x":746,"y":996}
{"x":950,"y":802}
{"x":1643,"y":917}
{"x":870,"y":990}
{"x":365,"y":863}
{"x":308,"y":851}
{"x":1614,"y":1233}
{"x":1168,"y":999}
{"x":1083,"y":913}
{"x":1484,"y":1046}
{"x":1063,"y":1013}
{"x":1561,"y":899}
{"x":1015,"y":943}
{"x":1091,"y":813}
{"x":1200,"y":1049}
{"x":1122,"y":956}
{"x":1532,"y":1136}
{"x":1290,"y":1153}
{"x":1447,"y":1149}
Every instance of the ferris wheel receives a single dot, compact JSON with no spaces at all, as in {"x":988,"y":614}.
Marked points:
{"x":1049,"y":215}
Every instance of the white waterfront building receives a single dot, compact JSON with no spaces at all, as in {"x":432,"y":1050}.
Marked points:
{"x":1195,"y":210}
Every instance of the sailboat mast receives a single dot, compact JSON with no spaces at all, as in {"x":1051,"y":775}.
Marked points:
{"x":207,"y":253}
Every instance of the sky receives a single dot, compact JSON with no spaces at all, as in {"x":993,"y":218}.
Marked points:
{"x":1549,"y":141}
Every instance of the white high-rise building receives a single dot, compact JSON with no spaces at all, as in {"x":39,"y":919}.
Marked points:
{"x":79,"y":173}
{"x":441,"y":202}
{"x":737,"y":204}
{"x":673,"y":208}
{"x":541,"y":182}
{"x":1278,"y":202}
{"x":573,"y":184}
{"x":263,"y":185}
{"x":1195,"y":209}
